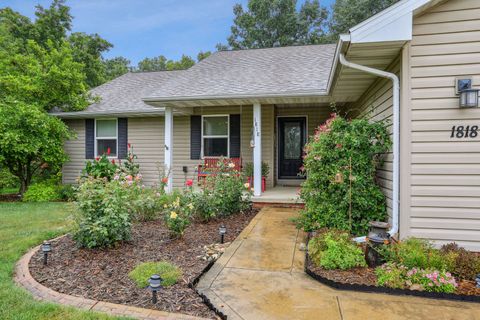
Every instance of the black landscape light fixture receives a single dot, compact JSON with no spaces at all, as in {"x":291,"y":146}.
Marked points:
{"x":155,"y":284}
{"x":46,"y":249}
{"x":221,"y":231}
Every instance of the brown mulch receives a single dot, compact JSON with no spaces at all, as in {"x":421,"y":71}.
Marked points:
{"x":367,"y":276}
{"x":12,"y":197}
{"x":102,"y":274}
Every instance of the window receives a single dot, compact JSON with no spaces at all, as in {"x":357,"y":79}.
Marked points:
{"x":215,"y":130}
{"x":106,"y":137}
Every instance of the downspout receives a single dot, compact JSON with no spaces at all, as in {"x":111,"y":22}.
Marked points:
{"x":396,"y":136}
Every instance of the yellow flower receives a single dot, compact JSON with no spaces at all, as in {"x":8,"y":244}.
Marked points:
{"x":190,"y":206}
{"x":173,"y":215}
{"x":165,"y":205}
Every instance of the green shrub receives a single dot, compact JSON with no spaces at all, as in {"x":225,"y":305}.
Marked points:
{"x":104,"y":213}
{"x":225,"y":193}
{"x":169,"y":273}
{"x":391,"y":275}
{"x":67,"y":192}
{"x":147,"y":204}
{"x":178,"y":214}
{"x":337,"y":146}
{"x":397,"y":276}
{"x":8,"y":180}
{"x":335,"y":250}
{"x":43,"y":191}
{"x":464,"y":264}
{"x":101,"y":167}
{"x":415,"y":253}
{"x":248,"y":169}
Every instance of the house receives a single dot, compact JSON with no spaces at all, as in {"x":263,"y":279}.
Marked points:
{"x":407,"y":64}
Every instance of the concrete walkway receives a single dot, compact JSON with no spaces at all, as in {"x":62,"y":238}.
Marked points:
{"x":261,"y":276}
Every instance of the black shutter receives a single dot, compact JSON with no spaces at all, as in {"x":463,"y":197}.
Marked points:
{"x":195,"y":137}
{"x":122,"y":138}
{"x":234,"y":136}
{"x":89,"y":138}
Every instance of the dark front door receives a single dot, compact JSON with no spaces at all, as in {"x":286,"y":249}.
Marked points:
{"x":292,"y":137}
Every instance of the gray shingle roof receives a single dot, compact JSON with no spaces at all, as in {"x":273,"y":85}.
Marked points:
{"x":125,"y":93}
{"x":285,"y":70}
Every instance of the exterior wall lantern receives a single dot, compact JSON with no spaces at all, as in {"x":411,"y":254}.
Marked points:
{"x":468,"y":96}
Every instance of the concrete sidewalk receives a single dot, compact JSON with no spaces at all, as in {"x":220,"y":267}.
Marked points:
{"x":260,"y":276}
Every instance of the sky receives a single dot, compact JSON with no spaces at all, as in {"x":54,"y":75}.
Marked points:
{"x":148,"y":28}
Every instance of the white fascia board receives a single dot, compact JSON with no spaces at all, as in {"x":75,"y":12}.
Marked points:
{"x":392,"y":24}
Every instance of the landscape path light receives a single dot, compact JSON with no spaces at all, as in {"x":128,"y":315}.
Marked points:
{"x":155,"y":284}
{"x":46,"y":249}
{"x":222,"y":231}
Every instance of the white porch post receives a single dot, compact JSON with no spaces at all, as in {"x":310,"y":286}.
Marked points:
{"x":257,"y":149}
{"x":169,"y":147}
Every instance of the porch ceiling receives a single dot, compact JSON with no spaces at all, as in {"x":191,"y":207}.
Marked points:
{"x":349,"y":84}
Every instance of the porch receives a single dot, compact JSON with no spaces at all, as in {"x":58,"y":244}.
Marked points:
{"x":279,"y":195}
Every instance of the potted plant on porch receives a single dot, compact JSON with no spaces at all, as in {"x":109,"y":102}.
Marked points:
{"x":248,"y":171}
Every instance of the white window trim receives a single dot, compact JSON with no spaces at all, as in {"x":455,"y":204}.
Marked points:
{"x":105,"y":138}
{"x":216,"y":136}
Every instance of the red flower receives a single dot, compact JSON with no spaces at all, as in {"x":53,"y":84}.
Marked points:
{"x":164,"y":180}
{"x":189,"y":183}
{"x":108,"y":151}
{"x":113,"y":161}
{"x":339,"y":146}
{"x":97,"y":158}
{"x":129,"y":145}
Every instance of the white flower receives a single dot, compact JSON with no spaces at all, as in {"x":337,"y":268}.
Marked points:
{"x":231,"y":165}
{"x":247,"y":185}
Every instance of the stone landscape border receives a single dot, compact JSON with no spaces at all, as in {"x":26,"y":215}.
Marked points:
{"x":387,"y":290}
{"x":24,"y":279}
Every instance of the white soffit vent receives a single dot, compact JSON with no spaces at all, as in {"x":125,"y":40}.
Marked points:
{"x":392,"y":24}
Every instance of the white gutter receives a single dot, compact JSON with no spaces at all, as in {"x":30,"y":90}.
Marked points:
{"x":396,"y":133}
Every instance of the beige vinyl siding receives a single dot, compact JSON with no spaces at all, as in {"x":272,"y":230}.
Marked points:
{"x":445,"y":172}
{"x":376,"y":104}
{"x":75,"y":149}
{"x":146,"y":137}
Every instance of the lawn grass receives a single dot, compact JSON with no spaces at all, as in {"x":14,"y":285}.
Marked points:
{"x":22,"y":226}
{"x":8,"y":190}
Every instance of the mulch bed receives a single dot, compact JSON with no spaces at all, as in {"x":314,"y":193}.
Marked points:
{"x":9,"y":197}
{"x":102,"y":274}
{"x":365,"y":278}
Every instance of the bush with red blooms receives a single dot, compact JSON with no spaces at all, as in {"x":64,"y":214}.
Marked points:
{"x":340,"y":164}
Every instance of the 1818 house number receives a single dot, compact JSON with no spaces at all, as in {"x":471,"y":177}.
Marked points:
{"x":460,"y":132}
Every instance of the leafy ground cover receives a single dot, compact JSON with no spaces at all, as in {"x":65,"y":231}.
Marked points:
{"x":24,"y":225}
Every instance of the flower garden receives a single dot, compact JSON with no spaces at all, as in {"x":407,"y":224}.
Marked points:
{"x":342,"y":196}
{"x":124,"y":233}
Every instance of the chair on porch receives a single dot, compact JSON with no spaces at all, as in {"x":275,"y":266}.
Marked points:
{"x":210,"y":166}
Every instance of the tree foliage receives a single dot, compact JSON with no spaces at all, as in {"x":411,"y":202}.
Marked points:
{"x":116,"y":67}
{"x":348,"y":13}
{"x":30,"y":140}
{"x":276,"y":23}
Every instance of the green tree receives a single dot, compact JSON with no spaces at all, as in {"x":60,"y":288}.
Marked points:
{"x":30,"y":140}
{"x":348,"y":13}
{"x":87,"y":49}
{"x":202,"y":55}
{"x":153,"y":64}
{"x":52,"y":23}
{"x":116,"y":67}
{"x":274,"y":23}
{"x":185,"y":62}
